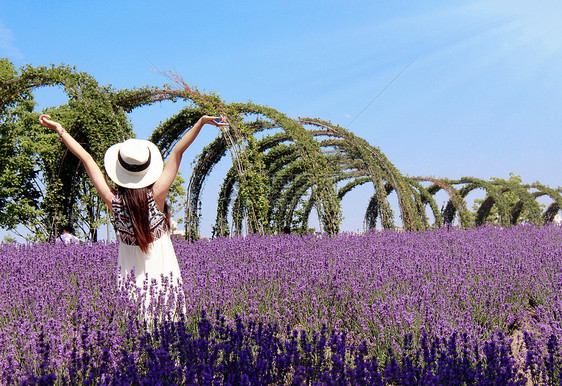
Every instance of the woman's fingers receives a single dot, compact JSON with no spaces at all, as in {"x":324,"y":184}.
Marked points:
{"x":220,"y":121}
{"x":45,"y":120}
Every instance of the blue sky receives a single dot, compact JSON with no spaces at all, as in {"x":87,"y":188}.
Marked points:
{"x":480,"y":94}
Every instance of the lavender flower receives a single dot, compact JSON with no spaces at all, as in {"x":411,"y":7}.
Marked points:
{"x":432,"y":302}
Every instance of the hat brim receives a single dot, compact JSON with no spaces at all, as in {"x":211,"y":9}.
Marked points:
{"x":132,"y":180}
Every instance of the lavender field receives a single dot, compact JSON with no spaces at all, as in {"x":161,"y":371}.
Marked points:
{"x":61,"y":309}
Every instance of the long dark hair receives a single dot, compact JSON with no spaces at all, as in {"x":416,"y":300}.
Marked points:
{"x":136,"y":203}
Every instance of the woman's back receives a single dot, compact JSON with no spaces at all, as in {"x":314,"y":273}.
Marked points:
{"x":148,"y":225}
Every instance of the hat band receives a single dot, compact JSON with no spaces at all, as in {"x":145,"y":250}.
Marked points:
{"x":133,"y":168}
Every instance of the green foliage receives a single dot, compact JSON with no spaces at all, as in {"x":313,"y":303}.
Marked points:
{"x":9,"y":240}
{"x":275,"y":181}
{"x":7,"y":70}
{"x":520,"y":204}
{"x":50,"y":185}
{"x":20,"y":147}
{"x":176,"y":197}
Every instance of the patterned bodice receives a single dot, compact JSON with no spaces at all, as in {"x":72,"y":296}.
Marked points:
{"x":157,"y":220}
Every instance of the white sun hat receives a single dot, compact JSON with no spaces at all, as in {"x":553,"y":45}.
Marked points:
{"x":134,"y":163}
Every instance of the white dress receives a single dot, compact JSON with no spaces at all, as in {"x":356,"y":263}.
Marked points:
{"x":160,"y":259}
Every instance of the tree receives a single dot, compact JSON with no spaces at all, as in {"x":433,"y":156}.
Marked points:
{"x":20,"y":148}
{"x":45,"y":184}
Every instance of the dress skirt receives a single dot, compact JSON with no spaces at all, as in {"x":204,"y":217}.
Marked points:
{"x":160,"y":260}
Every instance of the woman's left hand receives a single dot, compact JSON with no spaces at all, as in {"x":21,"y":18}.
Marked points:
{"x":215,"y":121}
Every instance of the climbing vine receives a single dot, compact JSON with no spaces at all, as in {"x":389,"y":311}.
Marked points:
{"x":282,"y":168}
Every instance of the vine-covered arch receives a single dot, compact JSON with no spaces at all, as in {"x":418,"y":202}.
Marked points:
{"x":282,"y":168}
{"x":291,"y":180}
{"x":351,"y":159}
{"x":456,"y":203}
{"x":508,"y":213}
{"x":555,"y":194}
{"x":247,"y":159}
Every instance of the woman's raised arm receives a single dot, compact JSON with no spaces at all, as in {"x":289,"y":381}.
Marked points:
{"x":94,"y":172}
{"x":162,"y":185}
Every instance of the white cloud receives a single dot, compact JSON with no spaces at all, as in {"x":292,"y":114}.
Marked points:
{"x":7,"y":48}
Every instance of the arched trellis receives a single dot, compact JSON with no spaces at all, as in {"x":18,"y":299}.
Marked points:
{"x":456,"y":201}
{"x":291,"y":179}
{"x":277,"y":179}
{"x":554,"y":194}
{"x":309,"y":152}
{"x":351,"y":159}
{"x":495,"y":190}
{"x":381,"y":170}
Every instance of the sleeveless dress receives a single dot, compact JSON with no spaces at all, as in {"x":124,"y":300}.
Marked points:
{"x":160,"y":258}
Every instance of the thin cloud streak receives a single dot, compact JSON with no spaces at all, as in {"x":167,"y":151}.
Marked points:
{"x":7,"y":48}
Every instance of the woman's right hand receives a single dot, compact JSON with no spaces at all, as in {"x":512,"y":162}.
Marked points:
{"x":45,"y":120}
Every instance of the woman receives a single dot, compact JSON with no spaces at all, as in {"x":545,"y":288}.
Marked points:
{"x":139,"y":204}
